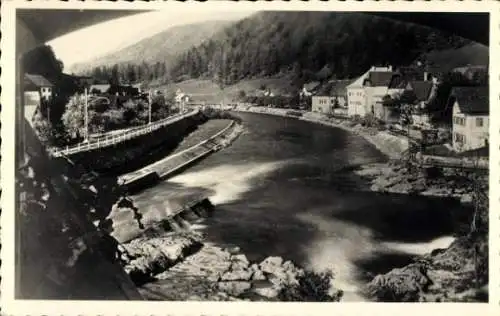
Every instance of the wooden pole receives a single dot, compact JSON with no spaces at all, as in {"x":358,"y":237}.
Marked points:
{"x":86,"y":116}
{"x":150,"y":100}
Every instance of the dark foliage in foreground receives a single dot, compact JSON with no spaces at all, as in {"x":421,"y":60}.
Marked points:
{"x":312,"y":287}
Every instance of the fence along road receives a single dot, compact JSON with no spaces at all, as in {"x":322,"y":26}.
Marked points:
{"x":110,"y":140}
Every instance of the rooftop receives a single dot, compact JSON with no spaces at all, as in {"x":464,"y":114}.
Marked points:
{"x":38,"y":80}
{"x":472,"y":100}
{"x":311,"y":85}
{"x":422,"y":89}
{"x":335,"y":88}
{"x":380,"y":78}
{"x":100,"y":86}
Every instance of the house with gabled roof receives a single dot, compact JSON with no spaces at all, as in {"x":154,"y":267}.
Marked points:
{"x":332,"y":96}
{"x":470,"y":117}
{"x":368,"y":90}
{"x":37,"y":87}
{"x":424,"y":92}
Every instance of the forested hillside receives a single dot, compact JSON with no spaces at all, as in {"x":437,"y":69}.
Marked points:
{"x":150,"y":58}
{"x":311,"y":44}
{"x":306,"y":45}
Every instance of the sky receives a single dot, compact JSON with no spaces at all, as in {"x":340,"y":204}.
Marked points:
{"x":100,"y":39}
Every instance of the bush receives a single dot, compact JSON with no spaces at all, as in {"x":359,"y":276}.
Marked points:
{"x":311,"y":287}
{"x":42,"y":127}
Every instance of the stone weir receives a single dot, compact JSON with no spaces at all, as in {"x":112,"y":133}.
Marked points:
{"x":175,"y":214}
{"x":176,"y":163}
{"x":140,"y":151}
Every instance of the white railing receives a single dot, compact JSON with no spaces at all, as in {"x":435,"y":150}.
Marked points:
{"x":121,"y":137}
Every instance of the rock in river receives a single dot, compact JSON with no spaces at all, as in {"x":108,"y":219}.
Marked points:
{"x":271,"y":264}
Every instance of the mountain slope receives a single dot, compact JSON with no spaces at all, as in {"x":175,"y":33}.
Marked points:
{"x":446,"y":60}
{"x":304,"y":42}
{"x":162,"y":47}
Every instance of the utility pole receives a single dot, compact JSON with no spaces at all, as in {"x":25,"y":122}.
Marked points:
{"x":86,"y":116}
{"x":150,"y":100}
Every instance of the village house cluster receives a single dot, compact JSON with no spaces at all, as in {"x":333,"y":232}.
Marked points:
{"x":376,"y":93}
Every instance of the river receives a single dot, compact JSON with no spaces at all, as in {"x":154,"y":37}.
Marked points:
{"x":283,"y":188}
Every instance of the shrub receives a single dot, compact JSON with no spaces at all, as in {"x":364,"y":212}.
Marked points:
{"x":311,"y":287}
{"x":73,"y":117}
{"x":42,"y":127}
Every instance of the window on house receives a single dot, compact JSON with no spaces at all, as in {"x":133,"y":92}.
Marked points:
{"x":479,"y":122}
{"x":459,"y":121}
{"x":459,"y":138}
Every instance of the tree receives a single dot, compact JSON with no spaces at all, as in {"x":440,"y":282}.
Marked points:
{"x":74,"y":116}
{"x":115,"y":77}
{"x":311,"y":287}
{"x":43,"y":61}
{"x":241,"y":95}
{"x":42,"y":127}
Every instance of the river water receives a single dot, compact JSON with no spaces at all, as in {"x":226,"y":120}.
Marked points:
{"x":284,"y":188}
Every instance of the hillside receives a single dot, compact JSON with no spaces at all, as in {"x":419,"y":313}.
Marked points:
{"x":446,"y":60}
{"x":268,"y":43}
{"x":204,"y":90}
{"x":162,"y":47}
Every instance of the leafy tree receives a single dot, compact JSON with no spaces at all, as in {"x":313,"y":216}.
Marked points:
{"x":74,"y":116}
{"x":311,"y":287}
{"x":42,"y":127}
{"x":241,"y":94}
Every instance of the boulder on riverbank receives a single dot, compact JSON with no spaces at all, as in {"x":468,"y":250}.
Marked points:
{"x":225,"y":275}
{"x":148,"y":257}
{"x":449,"y":275}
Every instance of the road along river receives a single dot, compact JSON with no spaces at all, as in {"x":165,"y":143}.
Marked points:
{"x":284,"y":188}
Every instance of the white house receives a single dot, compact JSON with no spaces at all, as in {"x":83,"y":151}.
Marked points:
{"x":37,"y":87}
{"x":99,"y":88}
{"x":322,"y":104}
{"x":368,"y":90}
{"x":470,"y":117}
{"x":334,"y":98}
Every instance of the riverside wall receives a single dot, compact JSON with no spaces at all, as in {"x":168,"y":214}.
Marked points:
{"x":138,"y":152}
{"x":173,"y":164}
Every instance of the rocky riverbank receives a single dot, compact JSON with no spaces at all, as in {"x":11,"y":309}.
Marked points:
{"x":182,"y":267}
{"x":395,"y":177}
{"x":456,"y":274}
